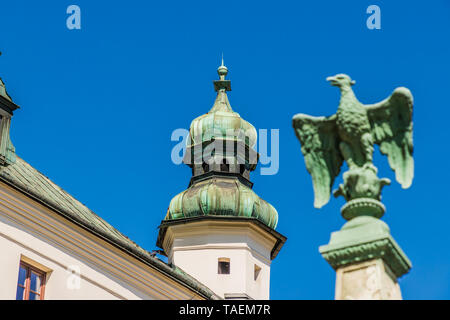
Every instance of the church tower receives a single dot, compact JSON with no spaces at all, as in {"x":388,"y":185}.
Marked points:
{"x":219,"y":230}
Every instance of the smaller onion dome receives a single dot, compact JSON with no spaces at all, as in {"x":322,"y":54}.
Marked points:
{"x":221,"y":121}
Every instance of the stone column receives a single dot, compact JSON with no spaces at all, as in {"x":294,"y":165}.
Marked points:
{"x":366,"y":258}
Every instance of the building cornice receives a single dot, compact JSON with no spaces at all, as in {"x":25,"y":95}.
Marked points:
{"x":230,"y":220}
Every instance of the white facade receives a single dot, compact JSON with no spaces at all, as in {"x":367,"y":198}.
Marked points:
{"x":34,"y":234}
{"x":197,"y":247}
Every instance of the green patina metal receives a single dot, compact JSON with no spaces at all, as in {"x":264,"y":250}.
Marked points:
{"x":221,"y":196}
{"x":365,"y":238}
{"x":7,"y":108}
{"x":3,"y":91}
{"x":221,"y":121}
{"x":220,"y":185}
{"x":349,"y":136}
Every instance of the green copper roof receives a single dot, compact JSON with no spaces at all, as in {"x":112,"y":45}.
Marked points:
{"x":215,"y":190}
{"x":35,"y":185}
{"x":221,"y":196}
{"x":221,"y":119}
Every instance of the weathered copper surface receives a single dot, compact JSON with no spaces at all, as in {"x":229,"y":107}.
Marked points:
{"x":221,"y":196}
{"x":220,"y":184}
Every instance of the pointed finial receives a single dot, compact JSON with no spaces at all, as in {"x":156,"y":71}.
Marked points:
{"x":222,"y":84}
{"x":222,"y":70}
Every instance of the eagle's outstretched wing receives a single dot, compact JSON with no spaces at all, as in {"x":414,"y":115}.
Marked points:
{"x":391,"y":122}
{"x":320,"y":146}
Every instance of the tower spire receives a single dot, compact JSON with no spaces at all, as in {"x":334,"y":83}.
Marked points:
{"x":222,"y":84}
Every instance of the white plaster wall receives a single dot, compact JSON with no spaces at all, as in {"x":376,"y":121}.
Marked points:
{"x":15,"y":242}
{"x":198,"y":255}
{"x":28,"y":229}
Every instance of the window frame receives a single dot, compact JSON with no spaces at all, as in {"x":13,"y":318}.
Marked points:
{"x":30,"y":268}
{"x":223,"y":260}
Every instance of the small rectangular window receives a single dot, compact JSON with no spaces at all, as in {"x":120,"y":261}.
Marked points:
{"x":31,"y":283}
{"x":224,"y":266}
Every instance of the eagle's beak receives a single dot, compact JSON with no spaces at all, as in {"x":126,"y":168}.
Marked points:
{"x":332,"y":80}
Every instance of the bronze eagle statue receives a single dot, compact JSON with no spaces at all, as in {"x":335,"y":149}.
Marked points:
{"x":350,"y":135}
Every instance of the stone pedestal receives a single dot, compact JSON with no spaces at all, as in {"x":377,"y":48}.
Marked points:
{"x":370,"y":280}
{"x":367,"y":260}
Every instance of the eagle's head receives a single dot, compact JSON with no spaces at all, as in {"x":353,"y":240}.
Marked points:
{"x":341,"y":80}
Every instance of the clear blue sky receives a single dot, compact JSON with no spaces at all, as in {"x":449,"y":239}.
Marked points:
{"x":98,"y":106}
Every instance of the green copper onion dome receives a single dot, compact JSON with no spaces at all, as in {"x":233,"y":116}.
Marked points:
{"x":220,"y":184}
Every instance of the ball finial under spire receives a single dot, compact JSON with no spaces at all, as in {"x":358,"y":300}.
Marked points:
{"x":222,"y":84}
{"x":222,"y":70}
